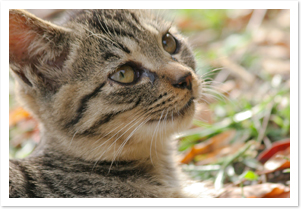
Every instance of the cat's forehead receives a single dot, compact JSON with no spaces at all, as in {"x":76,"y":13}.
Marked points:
{"x":122,"y":21}
{"x":135,"y":33}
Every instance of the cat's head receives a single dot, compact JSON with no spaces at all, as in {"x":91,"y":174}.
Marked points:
{"x":104,"y":74}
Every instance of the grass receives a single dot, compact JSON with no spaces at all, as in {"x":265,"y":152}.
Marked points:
{"x":257,"y":103}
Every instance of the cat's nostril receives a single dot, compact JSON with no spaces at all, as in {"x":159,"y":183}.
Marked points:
{"x":184,"y":82}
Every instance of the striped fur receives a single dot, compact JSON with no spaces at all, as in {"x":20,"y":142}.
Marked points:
{"x":54,"y":174}
{"x":100,"y":138}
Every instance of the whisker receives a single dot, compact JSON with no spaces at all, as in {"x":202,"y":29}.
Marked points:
{"x":204,"y":100}
{"x":117,"y":138}
{"x":215,"y":97}
{"x":214,"y":93}
{"x":108,"y":139}
{"x":161,"y":133}
{"x":106,"y":135}
{"x":211,"y":72}
{"x":72,"y":140}
{"x":153,"y":137}
{"x":173,"y":125}
{"x":138,"y":115}
{"x":165,"y":121}
{"x":126,"y":140}
{"x":105,"y":39}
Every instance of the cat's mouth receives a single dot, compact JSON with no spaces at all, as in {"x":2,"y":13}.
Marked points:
{"x":186,"y":106}
{"x":175,"y":114}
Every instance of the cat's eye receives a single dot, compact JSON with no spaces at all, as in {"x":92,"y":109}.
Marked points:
{"x":169,"y":43}
{"x":124,"y":74}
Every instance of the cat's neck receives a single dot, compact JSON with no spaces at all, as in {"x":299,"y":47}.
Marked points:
{"x":154,"y":150}
{"x":158,"y":161}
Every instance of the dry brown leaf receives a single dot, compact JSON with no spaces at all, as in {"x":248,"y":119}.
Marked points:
{"x":282,"y":195}
{"x":276,"y":148}
{"x":278,"y":161}
{"x":274,"y":193}
{"x":213,"y":157}
{"x":18,"y":115}
{"x":209,"y":145}
{"x":266,"y":190}
{"x":276,"y":164}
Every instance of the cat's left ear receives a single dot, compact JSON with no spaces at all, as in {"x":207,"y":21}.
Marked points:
{"x":37,"y":49}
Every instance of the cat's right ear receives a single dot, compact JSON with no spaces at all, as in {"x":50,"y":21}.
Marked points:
{"x":37,"y":50}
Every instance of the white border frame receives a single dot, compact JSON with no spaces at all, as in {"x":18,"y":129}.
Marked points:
{"x":6,"y":5}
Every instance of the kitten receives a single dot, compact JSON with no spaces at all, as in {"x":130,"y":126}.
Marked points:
{"x":109,"y":88}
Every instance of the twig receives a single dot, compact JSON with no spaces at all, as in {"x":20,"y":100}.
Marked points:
{"x":220,"y":176}
{"x":256,"y":19}
{"x":265,"y":123}
{"x":237,"y":70}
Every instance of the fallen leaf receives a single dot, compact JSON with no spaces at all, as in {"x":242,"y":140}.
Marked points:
{"x":266,"y":190}
{"x":282,"y":195}
{"x":276,"y":163}
{"x":209,"y":145}
{"x":276,"y":147}
{"x":18,"y":115}
{"x":213,"y":157}
{"x":275,"y":193}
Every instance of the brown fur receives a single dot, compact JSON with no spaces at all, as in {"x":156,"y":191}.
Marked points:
{"x":92,"y":126}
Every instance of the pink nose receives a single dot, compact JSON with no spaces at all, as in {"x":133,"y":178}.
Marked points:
{"x":184,"y":82}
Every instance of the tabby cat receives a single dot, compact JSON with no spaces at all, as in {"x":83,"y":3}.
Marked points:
{"x":109,"y":89}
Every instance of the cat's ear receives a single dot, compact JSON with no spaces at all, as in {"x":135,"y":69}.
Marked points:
{"x":37,"y":50}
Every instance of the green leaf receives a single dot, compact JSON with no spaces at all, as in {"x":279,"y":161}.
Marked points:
{"x":250,"y":175}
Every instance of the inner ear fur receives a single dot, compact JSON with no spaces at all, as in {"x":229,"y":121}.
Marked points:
{"x":37,"y":49}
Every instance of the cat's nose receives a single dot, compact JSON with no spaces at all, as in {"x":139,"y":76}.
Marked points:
{"x":184,"y":82}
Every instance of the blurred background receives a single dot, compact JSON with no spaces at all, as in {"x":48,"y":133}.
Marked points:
{"x":240,"y":139}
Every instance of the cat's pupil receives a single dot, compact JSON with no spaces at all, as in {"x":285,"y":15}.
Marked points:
{"x":169,"y":43}
{"x":124,"y":74}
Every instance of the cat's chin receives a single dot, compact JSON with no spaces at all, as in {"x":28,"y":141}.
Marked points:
{"x":186,"y":110}
{"x":185,"y":113}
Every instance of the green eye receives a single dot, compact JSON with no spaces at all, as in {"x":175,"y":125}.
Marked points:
{"x":169,"y":43}
{"x":124,"y":74}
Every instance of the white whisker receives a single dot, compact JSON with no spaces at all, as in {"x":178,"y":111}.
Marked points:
{"x":72,"y":140}
{"x":126,"y":140}
{"x":153,"y":137}
{"x":141,"y":117}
